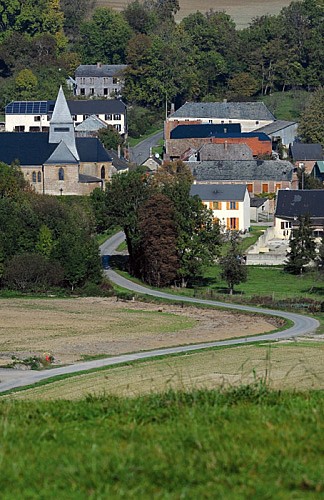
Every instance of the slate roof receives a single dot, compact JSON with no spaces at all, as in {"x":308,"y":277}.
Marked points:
{"x":85,"y":70}
{"x":242,"y":170}
{"x":257,"y":202}
{"x":77,"y":107}
{"x":293,"y":203}
{"x":86,"y":179}
{"x":119,"y":163}
{"x":300,"y":152}
{"x":228,"y":110}
{"x":61,"y":155}
{"x":209,"y":130}
{"x":91,"y":124}
{"x":276,"y":126}
{"x":33,"y":148}
{"x":219,"y":192}
{"x":225,"y":152}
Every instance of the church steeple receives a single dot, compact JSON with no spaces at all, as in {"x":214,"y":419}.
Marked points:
{"x":61,"y":125}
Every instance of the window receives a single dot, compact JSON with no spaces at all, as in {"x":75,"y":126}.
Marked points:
{"x":250,"y":188}
{"x":102,"y":172}
{"x":91,"y":91}
{"x":61,"y":174}
{"x":232,"y":223}
{"x":82,"y":80}
{"x":19,"y":128}
{"x":82,"y":91}
{"x":257,"y":122}
{"x":61,"y":129}
{"x":74,"y":118}
{"x":117,"y":117}
{"x":115,"y":81}
{"x":34,"y":177}
{"x":278,"y":186}
{"x":85,"y":117}
{"x":34,"y":129}
{"x":118,"y":127}
{"x":105,"y":91}
{"x":222,"y":121}
{"x":265,"y":188}
{"x":215,"y":205}
{"x":91,"y":81}
{"x":108,"y":117}
{"x":232,"y":205}
{"x":37,"y":118}
{"x":39,"y":177}
{"x":210,"y":121}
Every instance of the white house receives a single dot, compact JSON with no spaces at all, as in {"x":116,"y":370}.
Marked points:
{"x":35,"y":116}
{"x":230,"y":204}
{"x":250,"y":115}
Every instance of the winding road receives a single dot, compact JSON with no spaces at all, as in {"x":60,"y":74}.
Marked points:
{"x":11,"y":379}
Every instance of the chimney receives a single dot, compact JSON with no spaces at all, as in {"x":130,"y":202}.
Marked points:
{"x":118,"y":151}
{"x":172,"y":108}
{"x":225,"y":145}
{"x":224,"y":100}
{"x":99,"y":64}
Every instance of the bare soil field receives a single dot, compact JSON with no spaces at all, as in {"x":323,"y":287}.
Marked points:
{"x":295,"y":366}
{"x":72,"y":328}
{"x":242,"y":11}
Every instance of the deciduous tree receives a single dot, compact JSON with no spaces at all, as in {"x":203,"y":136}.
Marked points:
{"x":233,"y":268}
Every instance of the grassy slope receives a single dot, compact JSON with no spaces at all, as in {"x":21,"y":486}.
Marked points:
{"x":292,"y":366}
{"x":198,"y":445}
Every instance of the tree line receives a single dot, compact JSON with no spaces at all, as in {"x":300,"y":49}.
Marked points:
{"x":204,"y":57}
{"x":45,"y":241}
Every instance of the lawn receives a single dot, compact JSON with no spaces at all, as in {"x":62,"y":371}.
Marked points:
{"x":247,"y":443}
{"x":286,"y":105}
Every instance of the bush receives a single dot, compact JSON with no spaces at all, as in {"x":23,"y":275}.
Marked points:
{"x":32,"y":271}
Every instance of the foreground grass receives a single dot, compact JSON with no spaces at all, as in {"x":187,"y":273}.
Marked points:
{"x":295,"y":366}
{"x":247,"y":442}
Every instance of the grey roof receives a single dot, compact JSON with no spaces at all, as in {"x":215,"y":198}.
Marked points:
{"x":257,"y":202}
{"x":34,"y":149}
{"x":100,"y":70}
{"x":83,"y":178}
{"x":306,"y":152}
{"x":228,"y":110}
{"x":242,"y":170}
{"x":91,"y":124}
{"x":219,"y":192}
{"x":76,"y":107}
{"x":276,"y":126}
{"x":119,"y":163}
{"x":291,"y":204}
{"x":225,"y":151}
{"x":61,"y":125}
{"x":61,"y":155}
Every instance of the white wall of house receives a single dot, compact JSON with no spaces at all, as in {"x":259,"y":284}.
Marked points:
{"x":282,"y":229}
{"x":29,"y":122}
{"x":232,"y":214}
{"x":246,"y":125}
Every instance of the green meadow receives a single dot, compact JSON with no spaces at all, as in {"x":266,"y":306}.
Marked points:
{"x":247,"y":442}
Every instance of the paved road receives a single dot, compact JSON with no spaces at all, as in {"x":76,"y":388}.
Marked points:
{"x":141,"y":152}
{"x":10,"y":379}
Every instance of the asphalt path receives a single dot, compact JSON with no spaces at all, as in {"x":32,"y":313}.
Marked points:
{"x":302,"y":325}
{"x":140,"y":152}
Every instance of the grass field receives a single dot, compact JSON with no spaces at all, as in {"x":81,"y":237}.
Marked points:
{"x":247,"y":443}
{"x":71,"y":328}
{"x":293,"y":366}
{"x":242,"y":11}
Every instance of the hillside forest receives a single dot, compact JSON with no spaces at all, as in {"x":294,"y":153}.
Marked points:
{"x":204,"y":57}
